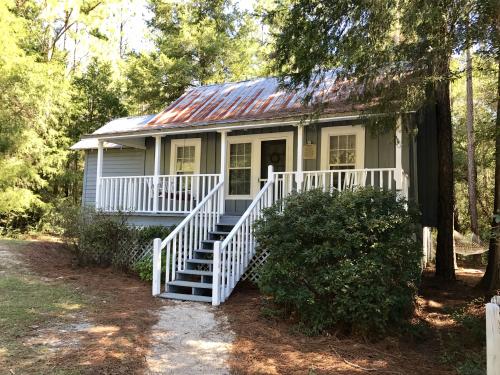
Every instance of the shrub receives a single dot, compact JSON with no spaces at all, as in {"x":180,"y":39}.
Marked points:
{"x":347,"y":259}
{"x":144,"y":268}
{"x":106,"y":240}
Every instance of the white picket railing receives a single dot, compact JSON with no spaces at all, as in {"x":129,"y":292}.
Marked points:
{"x":187,"y":236}
{"x":340,"y":179}
{"x":493,"y":336}
{"x":231,"y":256}
{"x":174,"y":193}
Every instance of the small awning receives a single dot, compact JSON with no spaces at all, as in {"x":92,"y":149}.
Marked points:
{"x":91,"y":144}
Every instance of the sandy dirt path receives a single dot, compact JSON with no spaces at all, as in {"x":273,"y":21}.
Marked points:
{"x":190,"y":338}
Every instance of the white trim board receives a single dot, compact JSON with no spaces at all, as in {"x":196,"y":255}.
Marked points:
{"x":256,"y":140}
{"x":357,"y":130}
{"x":176,"y":142}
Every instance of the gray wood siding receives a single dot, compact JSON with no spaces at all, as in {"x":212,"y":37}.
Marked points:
{"x":116,"y":162}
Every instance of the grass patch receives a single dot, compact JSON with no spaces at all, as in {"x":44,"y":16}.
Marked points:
{"x":26,"y":305}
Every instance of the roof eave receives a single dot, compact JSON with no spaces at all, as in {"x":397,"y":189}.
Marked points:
{"x":232,"y":125}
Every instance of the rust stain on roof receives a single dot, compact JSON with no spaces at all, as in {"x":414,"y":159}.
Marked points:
{"x":243,"y":101}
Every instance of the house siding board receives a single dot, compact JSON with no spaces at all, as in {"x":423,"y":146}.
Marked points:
{"x":237,"y":206}
{"x":427,"y":166}
{"x":122,"y":162}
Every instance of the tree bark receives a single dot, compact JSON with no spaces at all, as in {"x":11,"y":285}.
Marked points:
{"x":445,"y":260}
{"x":471,"y":159}
{"x":491,"y":278}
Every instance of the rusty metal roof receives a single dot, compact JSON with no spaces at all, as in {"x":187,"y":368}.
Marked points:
{"x":248,"y":100}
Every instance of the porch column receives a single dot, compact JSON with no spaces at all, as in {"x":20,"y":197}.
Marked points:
{"x":98,"y":181}
{"x":399,"y":154}
{"x":299,"y":177}
{"x":223,"y":163}
{"x":156,"y":174}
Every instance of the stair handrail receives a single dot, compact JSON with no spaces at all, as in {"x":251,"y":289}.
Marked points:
{"x":228,"y":267}
{"x":191,"y":231}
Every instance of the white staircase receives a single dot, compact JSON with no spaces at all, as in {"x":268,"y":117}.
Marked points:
{"x":194,"y":283}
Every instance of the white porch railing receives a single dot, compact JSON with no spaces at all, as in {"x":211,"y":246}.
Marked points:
{"x":188,"y":235}
{"x":340,"y":179}
{"x":231,"y":256}
{"x":175,"y":193}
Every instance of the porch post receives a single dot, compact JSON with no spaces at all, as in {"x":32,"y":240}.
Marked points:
{"x":98,"y":181}
{"x":223,"y":163}
{"x":156,"y":176}
{"x":299,"y":177}
{"x":399,"y":154}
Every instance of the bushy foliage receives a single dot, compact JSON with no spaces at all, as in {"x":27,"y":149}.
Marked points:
{"x":144,"y":268}
{"x":103,"y":239}
{"x":348,"y":260}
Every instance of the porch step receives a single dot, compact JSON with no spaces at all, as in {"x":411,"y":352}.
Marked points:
{"x":204,"y":251}
{"x":195,"y":273}
{"x":186,"y":297}
{"x":219,"y":233}
{"x":200,"y":261}
{"x":190,"y":284}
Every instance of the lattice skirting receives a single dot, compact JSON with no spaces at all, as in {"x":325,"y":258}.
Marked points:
{"x":252,"y":272}
{"x":133,"y":251}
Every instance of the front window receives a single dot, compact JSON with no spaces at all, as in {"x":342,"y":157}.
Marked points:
{"x":185,"y":160}
{"x":342,"y":152}
{"x":240,"y":168}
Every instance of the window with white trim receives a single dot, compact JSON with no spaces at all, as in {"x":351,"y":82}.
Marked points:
{"x":240,"y":170}
{"x":342,"y":152}
{"x":185,"y":156}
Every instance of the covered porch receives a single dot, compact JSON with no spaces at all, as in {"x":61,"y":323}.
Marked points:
{"x":196,"y":162}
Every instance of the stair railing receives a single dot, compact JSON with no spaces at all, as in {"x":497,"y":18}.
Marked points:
{"x":187,"y":235}
{"x":233,"y":254}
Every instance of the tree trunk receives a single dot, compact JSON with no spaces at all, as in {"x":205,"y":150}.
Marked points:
{"x":445,"y":264}
{"x":491,"y":278}
{"x":471,"y":159}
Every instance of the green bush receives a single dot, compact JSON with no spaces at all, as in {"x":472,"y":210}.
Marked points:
{"x":144,"y":268}
{"x":103,"y":239}
{"x":348,"y":260}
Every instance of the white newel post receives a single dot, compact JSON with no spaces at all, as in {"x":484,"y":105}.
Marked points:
{"x":299,"y":176}
{"x":399,"y":154}
{"x":156,"y":266}
{"x":270,"y":177}
{"x":156,"y":175}
{"x":216,"y":275}
{"x":493,"y":336}
{"x":223,"y":163}
{"x":98,"y":181}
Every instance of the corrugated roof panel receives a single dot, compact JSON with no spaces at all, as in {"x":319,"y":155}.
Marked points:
{"x":260,"y":98}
